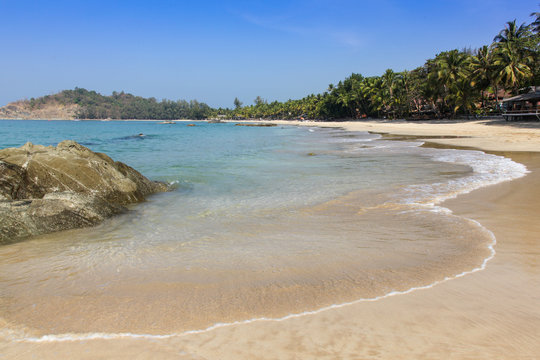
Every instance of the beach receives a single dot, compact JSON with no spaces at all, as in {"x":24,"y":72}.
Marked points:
{"x":492,"y":313}
{"x":489,"y":135}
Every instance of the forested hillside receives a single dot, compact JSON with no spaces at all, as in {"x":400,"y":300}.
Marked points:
{"x":93,"y":105}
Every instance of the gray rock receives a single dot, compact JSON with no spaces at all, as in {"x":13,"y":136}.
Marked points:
{"x":46,"y":189}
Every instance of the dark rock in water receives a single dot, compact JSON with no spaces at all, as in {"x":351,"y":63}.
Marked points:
{"x":45,"y":189}
{"x":257,"y":124}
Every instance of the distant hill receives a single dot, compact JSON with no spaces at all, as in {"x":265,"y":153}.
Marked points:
{"x":84,"y":104}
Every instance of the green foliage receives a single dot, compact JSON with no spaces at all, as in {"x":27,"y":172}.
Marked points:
{"x":259,"y":101}
{"x":454,"y":82}
{"x":535,"y":25}
{"x":125,"y":106}
{"x":237,"y":103}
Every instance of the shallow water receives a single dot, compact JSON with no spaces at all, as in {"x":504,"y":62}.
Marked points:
{"x":265,"y":222}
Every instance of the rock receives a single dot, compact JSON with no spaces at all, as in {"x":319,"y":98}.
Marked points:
{"x":51,"y":109}
{"x":257,"y":124}
{"x":15,"y":185}
{"x":54,"y":212}
{"x":45,"y":189}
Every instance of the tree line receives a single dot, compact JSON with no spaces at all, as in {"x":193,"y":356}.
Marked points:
{"x":121,"y":105}
{"x":454,"y":82}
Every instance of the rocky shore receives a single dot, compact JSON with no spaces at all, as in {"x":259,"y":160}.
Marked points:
{"x":45,"y":189}
{"x":23,"y":110}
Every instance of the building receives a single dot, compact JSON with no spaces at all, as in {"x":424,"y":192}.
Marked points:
{"x":524,"y":106}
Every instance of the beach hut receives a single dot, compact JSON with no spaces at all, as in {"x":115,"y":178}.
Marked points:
{"x":523,"y":107}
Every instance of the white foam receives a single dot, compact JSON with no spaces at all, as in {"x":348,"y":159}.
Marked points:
{"x":487,"y":169}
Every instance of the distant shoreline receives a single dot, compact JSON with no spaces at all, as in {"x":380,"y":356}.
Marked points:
{"x":107,"y":120}
{"x":488,"y":135}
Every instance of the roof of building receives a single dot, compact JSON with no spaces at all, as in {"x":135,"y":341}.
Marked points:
{"x":523,"y":97}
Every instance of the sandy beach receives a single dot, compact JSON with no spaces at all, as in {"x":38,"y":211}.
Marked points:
{"x":489,"y":135}
{"x":490,"y":314}
{"x":486,"y":315}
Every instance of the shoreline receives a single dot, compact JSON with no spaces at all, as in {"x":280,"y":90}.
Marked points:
{"x":417,"y":325}
{"x":403,"y":326}
{"x":485,"y":315}
{"x":487,"y":135}
{"x":273,"y":317}
{"x":113,"y":120}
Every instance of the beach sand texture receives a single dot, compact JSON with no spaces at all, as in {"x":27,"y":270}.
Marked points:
{"x":490,"y":314}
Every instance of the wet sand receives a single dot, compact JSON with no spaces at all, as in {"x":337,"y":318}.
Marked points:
{"x":486,"y":315}
{"x":492,"y":314}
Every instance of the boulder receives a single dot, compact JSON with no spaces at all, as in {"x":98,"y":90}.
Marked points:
{"x":46,"y":188}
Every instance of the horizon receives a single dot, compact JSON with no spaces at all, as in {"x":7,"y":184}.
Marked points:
{"x":216,"y":51}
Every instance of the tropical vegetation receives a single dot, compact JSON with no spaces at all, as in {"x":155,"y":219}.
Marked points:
{"x":453,"y":83}
{"x":120,"y":105}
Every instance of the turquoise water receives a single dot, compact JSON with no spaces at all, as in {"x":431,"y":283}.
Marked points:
{"x":228,"y":166}
{"x":264,"y":221}
{"x":247,"y":166}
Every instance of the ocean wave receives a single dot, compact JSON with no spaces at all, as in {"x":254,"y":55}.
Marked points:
{"x":486,"y":170}
{"x":72,"y":337}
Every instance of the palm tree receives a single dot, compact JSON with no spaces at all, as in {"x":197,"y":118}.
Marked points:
{"x":237,"y":103}
{"x":375,"y":94}
{"x":433,"y":90}
{"x":387,"y":90}
{"x":535,"y":25}
{"x":446,"y":70}
{"x":484,"y":71}
{"x":462,"y":96}
{"x":511,"y":32}
{"x":407,"y":84}
{"x":452,"y":66}
{"x":514,"y":66}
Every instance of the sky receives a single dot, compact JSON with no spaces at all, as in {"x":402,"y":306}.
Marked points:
{"x":214,"y":51}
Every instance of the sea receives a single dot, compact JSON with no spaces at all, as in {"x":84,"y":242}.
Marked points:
{"x":261,"y":224}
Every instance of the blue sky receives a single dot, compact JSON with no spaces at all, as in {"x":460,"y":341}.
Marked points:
{"x":214,"y":51}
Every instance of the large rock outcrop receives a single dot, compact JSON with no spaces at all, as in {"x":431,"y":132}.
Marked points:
{"x":51,"y":109}
{"x":45,"y":189}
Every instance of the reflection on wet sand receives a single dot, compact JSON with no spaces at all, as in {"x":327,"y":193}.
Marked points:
{"x":271,"y":265}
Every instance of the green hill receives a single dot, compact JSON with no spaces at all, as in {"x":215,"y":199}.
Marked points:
{"x":84,"y":104}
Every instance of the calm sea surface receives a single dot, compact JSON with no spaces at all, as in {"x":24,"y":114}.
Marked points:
{"x":264,"y":222}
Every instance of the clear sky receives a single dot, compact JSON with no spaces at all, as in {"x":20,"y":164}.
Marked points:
{"x":214,"y":51}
